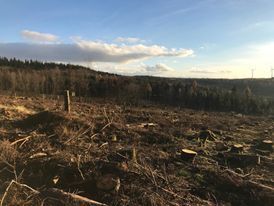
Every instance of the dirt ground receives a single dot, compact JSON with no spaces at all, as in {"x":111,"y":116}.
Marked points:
{"x":120,"y":155}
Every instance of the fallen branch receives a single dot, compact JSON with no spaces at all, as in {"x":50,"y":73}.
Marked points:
{"x":261,"y":186}
{"x":21,"y":140}
{"x":264,"y":193}
{"x":250,"y":182}
{"x":53,"y":192}
{"x":25,"y":139}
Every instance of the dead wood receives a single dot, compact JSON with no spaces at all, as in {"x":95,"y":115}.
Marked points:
{"x":52,"y":193}
{"x":60,"y":194}
{"x":263,"y":192}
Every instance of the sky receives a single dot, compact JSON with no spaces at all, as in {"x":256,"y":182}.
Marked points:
{"x":171,"y":38}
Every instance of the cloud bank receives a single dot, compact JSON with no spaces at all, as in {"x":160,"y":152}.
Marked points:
{"x":124,"y":55}
{"x":84,"y":51}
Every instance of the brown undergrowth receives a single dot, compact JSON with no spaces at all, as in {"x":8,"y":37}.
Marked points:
{"x":118,"y":155}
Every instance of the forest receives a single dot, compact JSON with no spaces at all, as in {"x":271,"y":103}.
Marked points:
{"x":33,"y":78}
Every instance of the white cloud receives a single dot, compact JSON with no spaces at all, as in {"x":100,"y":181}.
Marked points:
{"x":124,"y":53}
{"x":130,"y":40}
{"x":88,"y":51}
{"x":235,"y":63}
{"x":38,"y":36}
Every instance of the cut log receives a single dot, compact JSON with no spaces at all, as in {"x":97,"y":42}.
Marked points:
{"x":188,"y":155}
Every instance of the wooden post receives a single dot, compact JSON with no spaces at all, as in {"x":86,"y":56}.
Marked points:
{"x":134,"y":154}
{"x":67,"y":101}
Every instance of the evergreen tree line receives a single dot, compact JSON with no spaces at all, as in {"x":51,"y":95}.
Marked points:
{"x":32,"y":78}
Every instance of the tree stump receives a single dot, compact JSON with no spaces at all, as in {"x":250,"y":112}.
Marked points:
{"x":266,"y":145}
{"x":67,"y":101}
{"x":188,"y":155}
{"x":237,"y":148}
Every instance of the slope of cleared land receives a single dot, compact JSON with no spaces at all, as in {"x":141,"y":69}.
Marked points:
{"x":107,"y":154}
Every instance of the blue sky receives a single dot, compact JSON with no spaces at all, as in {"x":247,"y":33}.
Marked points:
{"x":181,"y":38}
